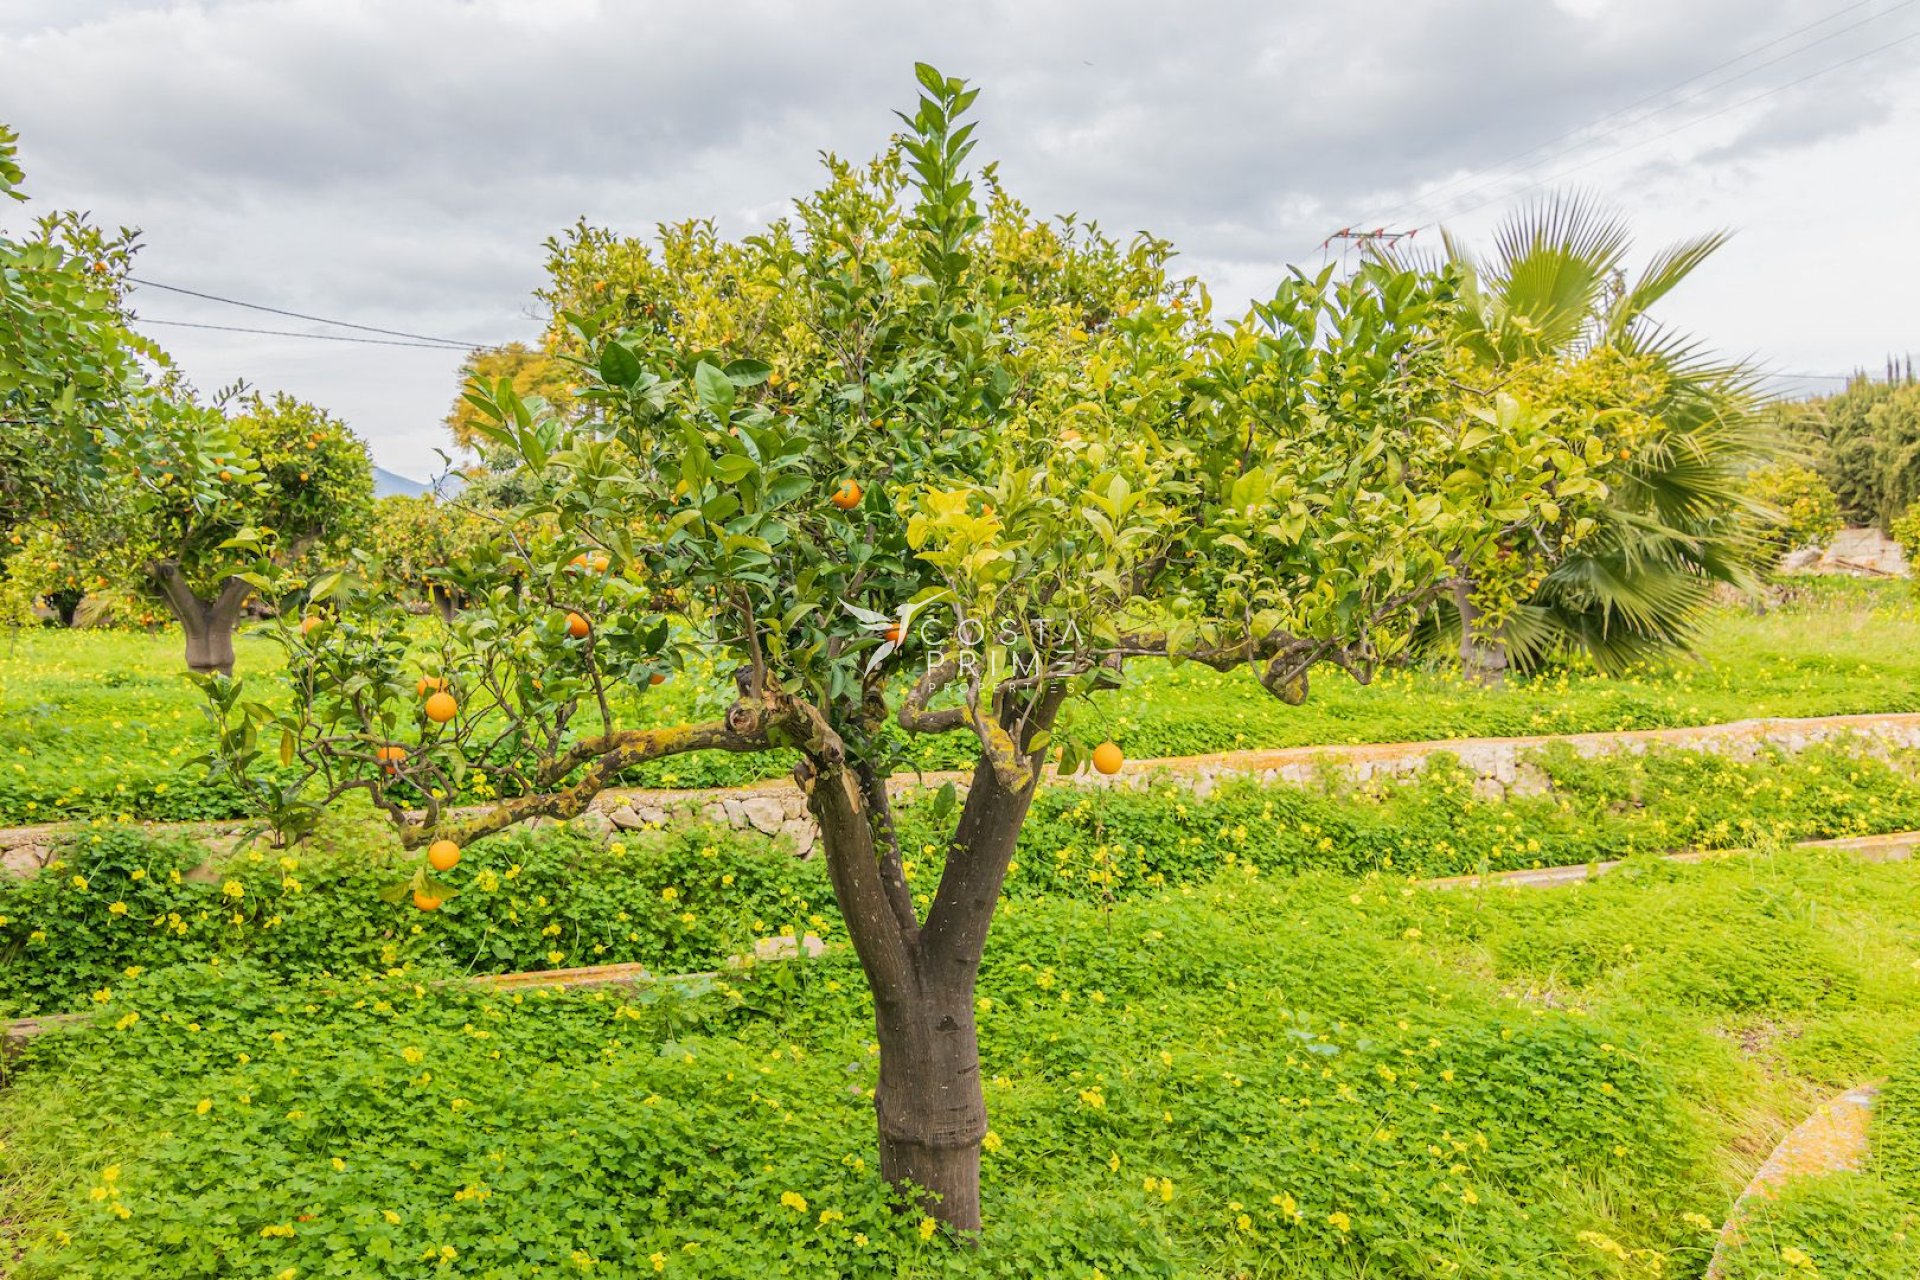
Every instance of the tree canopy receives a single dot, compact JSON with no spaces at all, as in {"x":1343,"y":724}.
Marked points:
{"x":206,"y":497}
{"x":915,"y":458}
{"x":68,"y":363}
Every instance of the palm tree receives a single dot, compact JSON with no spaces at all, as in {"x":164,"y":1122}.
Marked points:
{"x":1555,"y":291}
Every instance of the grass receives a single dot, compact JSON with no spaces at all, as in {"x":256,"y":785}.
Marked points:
{"x":673,"y":902}
{"x":104,"y":724}
{"x":1315,"y":1076}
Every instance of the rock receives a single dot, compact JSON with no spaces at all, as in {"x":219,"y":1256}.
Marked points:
{"x":594,"y":823}
{"x":764,"y":813}
{"x":785,"y":948}
{"x":1801,"y":561}
{"x":25,"y":859}
{"x":802,"y":833}
{"x":1529,"y":780}
{"x":1865,"y":553}
{"x":1491,"y":790}
{"x":624,"y":818}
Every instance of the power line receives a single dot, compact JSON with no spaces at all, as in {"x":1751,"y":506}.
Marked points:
{"x":1700,"y":120}
{"x":315,"y":337}
{"x":1446,"y":192}
{"x":419,"y":338}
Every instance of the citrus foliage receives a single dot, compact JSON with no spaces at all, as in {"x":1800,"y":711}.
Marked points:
{"x":1059,"y":465}
{"x":417,"y":538}
{"x":68,"y":363}
{"x":532,"y":374}
{"x":1808,"y":512}
{"x":216,"y":490}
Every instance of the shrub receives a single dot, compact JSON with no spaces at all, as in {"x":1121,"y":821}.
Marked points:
{"x":1809,"y":513}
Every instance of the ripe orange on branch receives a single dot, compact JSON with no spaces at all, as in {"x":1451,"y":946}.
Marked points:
{"x":428,"y":684}
{"x":847,"y":496}
{"x":441,"y":707}
{"x":443,"y":855}
{"x":425,"y":901}
{"x":1107,"y":758}
{"x":577,"y":626}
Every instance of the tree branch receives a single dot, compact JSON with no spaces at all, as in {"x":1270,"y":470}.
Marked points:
{"x":186,"y":604}
{"x":914,"y":716}
{"x":744,"y":729}
{"x":984,"y":839}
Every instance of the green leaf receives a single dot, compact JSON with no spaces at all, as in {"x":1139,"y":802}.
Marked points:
{"x":619,"y":367}
{"x":714,"y":387}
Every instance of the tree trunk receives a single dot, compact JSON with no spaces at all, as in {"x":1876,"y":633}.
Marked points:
{"x":1483,"y":660}
{"x":442,"y":599}
{"x":208,"y":624}
{"x":928,"y":1102}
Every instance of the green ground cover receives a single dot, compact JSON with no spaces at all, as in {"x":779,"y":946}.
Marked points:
{"x":1862,"y":1223}
{"x":682,"y":901}
{"x":1320,"y":1075}
{"x":103,"y":724}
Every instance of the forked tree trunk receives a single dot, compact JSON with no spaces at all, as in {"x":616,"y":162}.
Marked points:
{"x":928,"y":1103}
{"x":208,"y":624}
{"x":1483,"y":660}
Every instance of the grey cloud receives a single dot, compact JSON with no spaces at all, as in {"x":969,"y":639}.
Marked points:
{"x":400,"y":164}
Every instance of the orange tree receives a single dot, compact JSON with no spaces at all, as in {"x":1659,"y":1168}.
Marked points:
{"x":419,"y":537}
{"x":204,"y":503}
{"x":1002,"y":462}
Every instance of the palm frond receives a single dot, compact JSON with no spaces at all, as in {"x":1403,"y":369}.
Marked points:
{"x":1668,"y":268}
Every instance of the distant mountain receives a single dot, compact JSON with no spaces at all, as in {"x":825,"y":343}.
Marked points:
{"x":388,"y":485}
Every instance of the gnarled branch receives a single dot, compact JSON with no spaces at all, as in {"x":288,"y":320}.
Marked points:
{"x":745,"y":728}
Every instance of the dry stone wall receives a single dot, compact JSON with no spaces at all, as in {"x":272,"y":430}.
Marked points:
{"x":1501,"y":767}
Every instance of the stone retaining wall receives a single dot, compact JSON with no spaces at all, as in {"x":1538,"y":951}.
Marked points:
{"x":1501,"y":767}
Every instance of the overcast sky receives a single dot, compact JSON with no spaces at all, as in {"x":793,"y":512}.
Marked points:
{"x":398,"y":163}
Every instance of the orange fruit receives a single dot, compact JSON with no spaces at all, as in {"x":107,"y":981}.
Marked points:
{"x":427,"y":685}
{"x":657,"y":678}
{"x":390,"y":756}
{"x":226,"y":475}
{"x":425,"y":901}
{"x":577,"y":626}
{"x":893,"y":634}
{"x":578,"y":562}
{"x":598,"y":562}
{"x":1107,"y":758}
{"x":441,"y":707}
{"x":443,"y":855}
{"x":847,"y":496}
{"x":309,"y":622}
